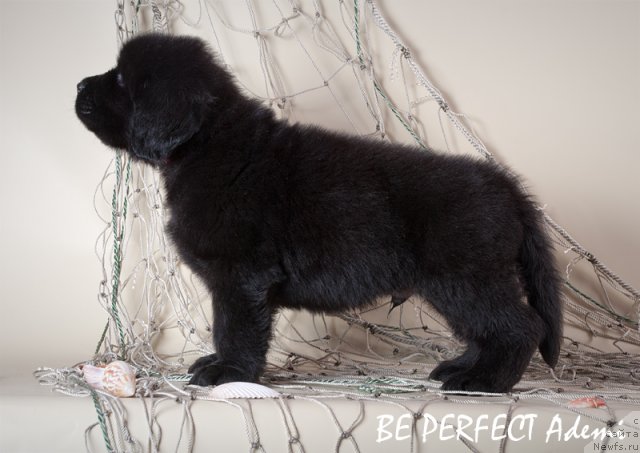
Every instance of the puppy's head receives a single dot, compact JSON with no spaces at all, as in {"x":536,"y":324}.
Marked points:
{"x":156,"y":98}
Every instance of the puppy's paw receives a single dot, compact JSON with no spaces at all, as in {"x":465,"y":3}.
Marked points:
{"x":470,"y":382}
{"x":216,"y":372}
{"x":203,"y":362}
{"x":206,"y":374}
{"x":445,"y":370}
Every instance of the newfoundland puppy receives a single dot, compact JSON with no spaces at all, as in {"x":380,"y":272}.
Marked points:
{"x":270,"y":214}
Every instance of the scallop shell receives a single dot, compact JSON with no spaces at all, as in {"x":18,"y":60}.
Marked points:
{"x":232,"y":390}
{"x":588,"y":401}
{"x":117,"y":378}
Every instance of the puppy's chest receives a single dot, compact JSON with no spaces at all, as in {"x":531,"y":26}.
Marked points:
{"x":210,"y":224}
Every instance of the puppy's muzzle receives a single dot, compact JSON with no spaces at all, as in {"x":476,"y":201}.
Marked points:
{"x":84,"y":101}
{"x":82,"y":85}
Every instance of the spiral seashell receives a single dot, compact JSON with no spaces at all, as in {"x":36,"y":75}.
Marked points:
{"x":117,"y":378}
{"x":232,"y":390}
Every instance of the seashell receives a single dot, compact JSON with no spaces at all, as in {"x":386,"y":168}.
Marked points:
{"x":588,"y":401}
{"x":117,"y":378}
{"x":232,"y":390}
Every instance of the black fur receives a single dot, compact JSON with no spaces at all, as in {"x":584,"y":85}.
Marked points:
{"x":272,"y":215}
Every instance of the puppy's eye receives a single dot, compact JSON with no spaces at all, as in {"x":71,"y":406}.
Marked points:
{"x":120,"y":80}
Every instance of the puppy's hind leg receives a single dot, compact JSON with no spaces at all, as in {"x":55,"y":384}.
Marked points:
{"x":506,"y":347}
{"x":461,"y":363}
{"x":502,"y":332}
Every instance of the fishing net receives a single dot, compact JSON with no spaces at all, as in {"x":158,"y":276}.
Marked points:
{"x":158,"y":315}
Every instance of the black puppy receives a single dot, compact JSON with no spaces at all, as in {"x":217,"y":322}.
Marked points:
{"x":273,"y":215}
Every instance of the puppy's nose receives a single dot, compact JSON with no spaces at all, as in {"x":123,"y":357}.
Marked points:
{"x":82,"y":85}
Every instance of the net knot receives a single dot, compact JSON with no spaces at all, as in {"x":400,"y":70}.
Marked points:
{"x":443,"y":105}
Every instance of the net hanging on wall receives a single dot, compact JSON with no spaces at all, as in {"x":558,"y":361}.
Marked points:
{"x":159,"y":314}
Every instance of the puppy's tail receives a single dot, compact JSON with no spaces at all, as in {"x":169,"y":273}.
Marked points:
{"x":541,"y":281}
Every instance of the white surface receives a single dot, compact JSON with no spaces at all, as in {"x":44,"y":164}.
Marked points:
{"x":34,"y":420}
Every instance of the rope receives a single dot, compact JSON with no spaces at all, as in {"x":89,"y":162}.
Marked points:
{"x":118,"y":236}
{"x":101,"y":421}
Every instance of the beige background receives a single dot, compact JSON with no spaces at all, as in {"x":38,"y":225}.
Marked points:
{"x":551,"y":86}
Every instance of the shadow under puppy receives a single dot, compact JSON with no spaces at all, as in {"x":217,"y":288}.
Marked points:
{"x":272,"y":215}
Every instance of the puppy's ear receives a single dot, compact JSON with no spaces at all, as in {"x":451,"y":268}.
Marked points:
{"x":163,"y":119}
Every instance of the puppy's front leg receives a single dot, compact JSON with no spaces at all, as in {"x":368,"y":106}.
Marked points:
{"x":242,"y":329}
